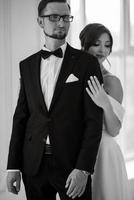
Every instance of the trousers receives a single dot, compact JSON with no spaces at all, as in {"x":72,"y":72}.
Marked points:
{"x":50,"y":181}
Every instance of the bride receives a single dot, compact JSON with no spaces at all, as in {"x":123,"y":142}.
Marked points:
{"x":110,"y":180}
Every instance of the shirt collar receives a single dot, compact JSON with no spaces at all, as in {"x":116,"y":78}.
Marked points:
{"x":63,"y":47}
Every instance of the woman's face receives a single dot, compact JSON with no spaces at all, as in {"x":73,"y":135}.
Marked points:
{"x":101,"y":48}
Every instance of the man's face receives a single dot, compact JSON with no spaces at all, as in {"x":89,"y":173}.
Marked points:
{"x":59,"y":29}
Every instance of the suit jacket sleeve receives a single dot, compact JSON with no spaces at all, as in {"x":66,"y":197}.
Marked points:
{"x":93,"y":124}
{"x":19,"y":124}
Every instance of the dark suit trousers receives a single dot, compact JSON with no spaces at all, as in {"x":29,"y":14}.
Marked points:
{"x":48,"y":182}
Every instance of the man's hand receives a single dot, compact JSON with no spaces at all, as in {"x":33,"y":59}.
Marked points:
{"x":76,"y":183}
{"x":13,"y":181}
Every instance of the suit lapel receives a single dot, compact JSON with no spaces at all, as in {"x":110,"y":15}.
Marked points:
{"x":66,"y":69}
{"x":35,"y":75}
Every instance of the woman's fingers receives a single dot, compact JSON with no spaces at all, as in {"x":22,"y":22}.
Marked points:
{"x":94,"y":84}
{"x":97,"y":82}
{"x":89,"y":93}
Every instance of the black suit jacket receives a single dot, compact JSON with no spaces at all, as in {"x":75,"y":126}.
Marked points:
{"x":73,"y":123}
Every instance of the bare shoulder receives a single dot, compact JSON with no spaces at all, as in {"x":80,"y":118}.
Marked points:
{"x":113,"y":87}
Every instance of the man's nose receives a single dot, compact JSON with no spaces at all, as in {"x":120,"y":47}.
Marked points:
{"x":61,"y":22}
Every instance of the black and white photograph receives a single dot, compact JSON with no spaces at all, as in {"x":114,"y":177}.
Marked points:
{"x":67,"y":100}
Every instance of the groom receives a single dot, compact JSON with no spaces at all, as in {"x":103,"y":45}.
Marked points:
{"x":56,"y":126}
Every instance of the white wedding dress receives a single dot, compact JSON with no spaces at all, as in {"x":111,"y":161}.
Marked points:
{"x":109,"y":181}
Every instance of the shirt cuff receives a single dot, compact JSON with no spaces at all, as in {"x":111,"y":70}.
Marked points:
{"x":13,"y":170}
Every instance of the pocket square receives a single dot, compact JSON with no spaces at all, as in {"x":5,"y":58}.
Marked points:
{"x":71,"y":78}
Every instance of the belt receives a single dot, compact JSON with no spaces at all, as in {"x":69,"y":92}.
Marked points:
{"x":48,"y":149}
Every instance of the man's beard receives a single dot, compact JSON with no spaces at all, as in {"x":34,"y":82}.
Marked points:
{"x":56,"y":36}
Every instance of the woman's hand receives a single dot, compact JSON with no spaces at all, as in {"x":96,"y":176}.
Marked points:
{"x":97,"y":92}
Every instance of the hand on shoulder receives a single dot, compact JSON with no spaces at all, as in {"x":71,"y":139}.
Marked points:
{"x":97,"y":92}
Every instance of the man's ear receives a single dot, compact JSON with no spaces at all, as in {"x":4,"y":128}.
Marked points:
{"x":40,"y":22}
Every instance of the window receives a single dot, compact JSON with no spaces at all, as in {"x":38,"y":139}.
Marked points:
{"x":118,"y":16}
{"x":107,"y":13}
{"x":131,"y":23}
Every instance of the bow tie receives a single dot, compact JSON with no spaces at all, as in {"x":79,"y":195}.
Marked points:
{"x":58,"y":53}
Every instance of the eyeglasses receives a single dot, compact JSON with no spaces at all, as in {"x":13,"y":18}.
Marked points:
{"x":56,"y":18}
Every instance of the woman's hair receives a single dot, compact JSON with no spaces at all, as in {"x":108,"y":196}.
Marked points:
{"x":90,"y":34}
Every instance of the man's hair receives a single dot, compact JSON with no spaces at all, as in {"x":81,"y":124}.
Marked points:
{"x":43,"y":4}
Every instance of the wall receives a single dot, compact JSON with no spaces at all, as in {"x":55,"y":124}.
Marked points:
{"x":19,"y":37}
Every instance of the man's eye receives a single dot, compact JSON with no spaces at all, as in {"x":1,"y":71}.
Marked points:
{"x":66,"y":17}
{"x":54,"y":16}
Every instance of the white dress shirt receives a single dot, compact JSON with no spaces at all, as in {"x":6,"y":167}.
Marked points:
{"x":49,"y":72}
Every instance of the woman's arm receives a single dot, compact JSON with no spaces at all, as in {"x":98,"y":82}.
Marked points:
{"x":99,"y":96}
